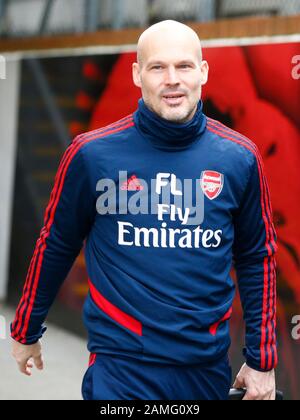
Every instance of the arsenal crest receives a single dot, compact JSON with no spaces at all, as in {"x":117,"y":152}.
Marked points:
{"x":212,"y":183}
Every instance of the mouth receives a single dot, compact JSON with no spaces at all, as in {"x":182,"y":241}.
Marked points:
{"x":174,"y":98}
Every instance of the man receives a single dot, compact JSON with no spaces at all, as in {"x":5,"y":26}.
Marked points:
{"x":160,"y":288}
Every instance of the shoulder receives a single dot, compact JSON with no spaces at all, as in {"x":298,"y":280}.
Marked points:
{"x":87,"y":141}
{"x":233,"y":141}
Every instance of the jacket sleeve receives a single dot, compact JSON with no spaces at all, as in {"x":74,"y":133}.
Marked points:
{"x":253,"y":253}
{"x":67,"y":221}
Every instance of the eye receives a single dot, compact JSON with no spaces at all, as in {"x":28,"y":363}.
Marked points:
{"x":156,"y":67}
{"x":185,"y":66}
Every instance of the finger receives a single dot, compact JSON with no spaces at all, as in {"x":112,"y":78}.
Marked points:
{"x":251,"y":395}
{"x":239,"y":383}
{"x":29,"y":367}
{"x":271,"y":396}
{"x":39,"y":363}
{"x":24,"y":368}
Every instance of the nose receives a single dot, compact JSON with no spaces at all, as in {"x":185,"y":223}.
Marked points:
{"x":172,"y":77}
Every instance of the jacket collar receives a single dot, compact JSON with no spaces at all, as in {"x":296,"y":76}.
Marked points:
{"x":168,"y":135}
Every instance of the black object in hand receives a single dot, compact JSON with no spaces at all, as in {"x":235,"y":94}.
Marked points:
{"x":238,"y":394}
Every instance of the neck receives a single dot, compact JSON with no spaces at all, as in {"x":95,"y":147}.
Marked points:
{"x":170,"y":135}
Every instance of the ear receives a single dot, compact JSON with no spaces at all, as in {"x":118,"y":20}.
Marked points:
{"x":204,"y":72}
{"x":136,"y":75}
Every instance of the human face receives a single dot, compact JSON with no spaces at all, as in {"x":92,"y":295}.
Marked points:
{"x":171,"y":77}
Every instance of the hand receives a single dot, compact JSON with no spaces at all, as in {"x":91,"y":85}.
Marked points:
{"x":261,"y":386}
{"x":26,"y":356}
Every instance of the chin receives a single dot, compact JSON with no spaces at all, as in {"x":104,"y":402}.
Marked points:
{"x":176,"y":116}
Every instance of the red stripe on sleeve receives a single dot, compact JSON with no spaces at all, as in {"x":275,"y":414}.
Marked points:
{"x":227,"y":133}
{"x":32,"y":284}
{"x":17,"y":324}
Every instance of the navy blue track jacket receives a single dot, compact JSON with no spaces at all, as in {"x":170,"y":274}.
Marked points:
{"x":160,"y":286}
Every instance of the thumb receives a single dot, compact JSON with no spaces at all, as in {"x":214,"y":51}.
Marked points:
{"x":38,"y":361}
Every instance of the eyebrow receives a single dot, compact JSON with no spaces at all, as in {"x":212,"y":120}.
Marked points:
{"x":152,"y":63}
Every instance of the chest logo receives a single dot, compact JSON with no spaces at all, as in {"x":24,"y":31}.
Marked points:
{"x":132,"y":184}
{"x":212,"y":184}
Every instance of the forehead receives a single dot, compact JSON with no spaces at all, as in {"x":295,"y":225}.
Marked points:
{"x":170,"y":49}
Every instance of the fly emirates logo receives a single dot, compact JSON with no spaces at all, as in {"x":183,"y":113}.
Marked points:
{"x":190,"y":235}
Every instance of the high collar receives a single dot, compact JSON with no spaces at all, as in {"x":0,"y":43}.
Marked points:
{"x":168,"y":135}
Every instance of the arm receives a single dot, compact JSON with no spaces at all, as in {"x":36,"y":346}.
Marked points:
{"x":68,"y":220}
{"x":254,"y":249}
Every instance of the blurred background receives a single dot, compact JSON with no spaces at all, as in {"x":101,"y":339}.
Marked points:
{"x":65,"y":68}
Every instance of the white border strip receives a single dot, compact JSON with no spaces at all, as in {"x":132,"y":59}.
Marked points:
{"x":9,"y":101}
{"x":102,"y":50}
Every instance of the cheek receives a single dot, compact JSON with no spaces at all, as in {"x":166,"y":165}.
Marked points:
{"x":193,"y":82}
{"x":196,"y":86}
{"x":157,"y":82}
{"x":152,"y":86}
